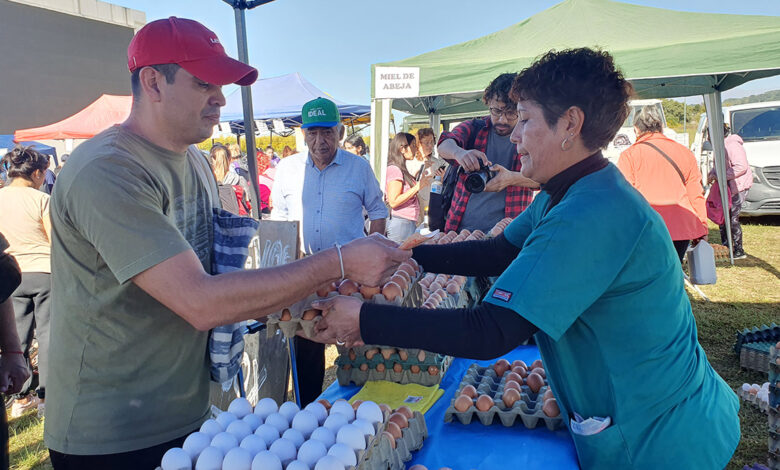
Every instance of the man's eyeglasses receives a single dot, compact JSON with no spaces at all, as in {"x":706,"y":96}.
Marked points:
{"x":509,"y":113}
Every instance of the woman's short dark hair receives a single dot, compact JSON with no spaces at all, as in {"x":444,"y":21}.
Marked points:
{"x":500,"y":89}
{"x":584,"y":78}
{"x":22,"y":162}
{"x":356,"y":140}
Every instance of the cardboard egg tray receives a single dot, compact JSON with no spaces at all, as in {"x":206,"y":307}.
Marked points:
{"x":380,"y":454}
{"x":765,"y":333}
{"x":412,"y":296}
{"x":528,"y":409}
{"x":755,"y":356}
{"x":353,"y":374}
{"x":753,"y":399}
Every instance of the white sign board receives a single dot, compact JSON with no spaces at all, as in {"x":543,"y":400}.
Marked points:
{"x":396,"y":82}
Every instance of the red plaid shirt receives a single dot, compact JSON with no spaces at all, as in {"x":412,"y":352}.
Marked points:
{"x":517,"y":198}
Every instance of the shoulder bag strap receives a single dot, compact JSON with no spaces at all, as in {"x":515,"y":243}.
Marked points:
{"x":668,"y":159}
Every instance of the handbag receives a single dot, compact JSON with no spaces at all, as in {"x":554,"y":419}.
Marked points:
{"x":701,"y":264}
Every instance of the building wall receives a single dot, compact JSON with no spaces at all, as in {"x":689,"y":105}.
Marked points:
{"x":60,"y":55}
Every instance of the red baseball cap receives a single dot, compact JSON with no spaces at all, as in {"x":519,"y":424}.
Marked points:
{"x":192,"y":46}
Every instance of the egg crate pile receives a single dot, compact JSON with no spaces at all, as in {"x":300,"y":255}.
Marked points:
{"x":362,"y":436}
{"x":363,"y":364}
{"x":774,"y":376}
{"x":756,"y":395}
{"x":762,"y":338}
{"x":509,"y":391}
{"x":401,"y":290}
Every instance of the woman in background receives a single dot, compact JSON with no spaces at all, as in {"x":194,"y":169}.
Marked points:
{"x":401,"y":188}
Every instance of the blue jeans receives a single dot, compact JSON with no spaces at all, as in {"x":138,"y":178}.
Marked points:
{"x":399,"y":229}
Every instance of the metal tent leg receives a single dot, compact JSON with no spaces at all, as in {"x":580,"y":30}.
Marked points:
{"x":294,"y":369}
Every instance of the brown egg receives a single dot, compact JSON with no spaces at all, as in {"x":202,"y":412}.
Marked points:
{"x":520,"y":370}
{"x":410,"y":270}
{"x":310,"y":314}
{"x":380,"y":367}
{"x":385,"y":409}
{"x":452,"y":288}
{"x":403,"y":354}
{"x":399,"y":419}
{"x":478,"y":234}
{"x":348,"y":287}
{"x":435,"y":298}
{"x":535,"y":364}
{"x":501,"y":366}
{"x":421,"y":355}
{"x":286,"y":315}
{"x":406,"y":411}
{"x":368,"y":292}
{"x":441,"y":292}
{"x":550,"y":408}
{"x":435,"y":285}
{"x":511,"y":384}
{"x":323,"y":291}
{"x":534,"y":381}
{"x":398,"y":368}
{"x":547,"y":394}
{"x":469,"y":391}
{"x":407,"y":277}
{"x":400,"y":280}
{"x":371,"y":353}
{"x":415,"y":369}
{"x":461,"y":280}
{"x":463,"y":403}
{"x":539,"y":371}
{"x":390,"y":438}
{"x":484,"y":403}
{"x":433,"y":370}
{"x":387,"y":352}
{"x":356,"y":404}
{"x":428,"y":304}
{"x":394,"y":430}
{"x":465,"y":232}
{"x":452,"y":234}
{"x":324,"y":403}
{"x":352,"y":354}
{"x":514,"y":376}
{"x":414,"y":263}
{"x":392,"y":291}
{"x":442,"y":278}
{"x":510,"y":397}
{"x":364,"y":366}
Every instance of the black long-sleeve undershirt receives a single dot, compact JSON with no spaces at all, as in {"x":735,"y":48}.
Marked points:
{"x":484,"y":332}
{"x":488,"y":257}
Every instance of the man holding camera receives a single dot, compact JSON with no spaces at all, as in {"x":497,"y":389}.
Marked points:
{"x":482,"y":146}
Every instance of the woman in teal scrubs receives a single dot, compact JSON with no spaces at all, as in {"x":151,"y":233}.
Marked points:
{"x":590,"y":269}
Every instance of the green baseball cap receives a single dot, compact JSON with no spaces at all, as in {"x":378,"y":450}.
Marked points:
{"x":320,"y":112}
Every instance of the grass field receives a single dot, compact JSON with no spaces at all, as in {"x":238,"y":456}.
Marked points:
{"x":746,"y":295}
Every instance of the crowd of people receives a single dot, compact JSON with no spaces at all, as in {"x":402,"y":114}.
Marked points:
{"x":118,"y":261}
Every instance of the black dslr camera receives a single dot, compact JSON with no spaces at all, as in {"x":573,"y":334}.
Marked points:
{"x":476,"y":180}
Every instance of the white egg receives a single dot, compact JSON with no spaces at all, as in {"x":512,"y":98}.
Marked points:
{"x":278,"y":421}
{"x":370,"y":411}
{"x":210,"y":459}
{"x":265,"y":407}
{"x":335,"y":422}
{"x":240,"y":429}
{"x":343,"y":407}
{"x":295,"y":436}
{"x":211,"y":428}
{"x":266,"y":460}
{"x":288,"y":410}
{"x":254,"y":444}
{"x":297,"y":465}
{"x":352,"y":436}
{"x":176,"y":459}
{"x":224,"y":441}
{"x":195,"y":443}
{"x":319,"y":411}
{"x":268,"y":433}
{"x":305,"y":422}
{"x":365,"y":426}
{"x":311,"y":451}
{"x":237,"y":459}
{"x":329,"y":463}
{"x":324,"y":435}
{"x":240,"y":407}
{"x":226,"y":418}
{"x":284,"y":449}
{"x":253,"y":421}
{"x":344,"y":453}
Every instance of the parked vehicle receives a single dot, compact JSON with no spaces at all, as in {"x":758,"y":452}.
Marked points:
{"x":759,"y":126}
{"x":626,"y":135}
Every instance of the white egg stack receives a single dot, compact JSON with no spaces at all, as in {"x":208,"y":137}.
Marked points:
{"x":272,"y":437}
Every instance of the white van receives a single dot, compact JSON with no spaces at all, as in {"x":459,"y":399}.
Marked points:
{"x":759,"y":126}
{"x":626,"y":136}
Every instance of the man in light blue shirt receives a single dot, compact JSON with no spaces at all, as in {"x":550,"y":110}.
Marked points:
{"x":326,"y":190}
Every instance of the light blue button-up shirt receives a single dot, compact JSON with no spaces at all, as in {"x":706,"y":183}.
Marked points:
{"x":328,"y":202}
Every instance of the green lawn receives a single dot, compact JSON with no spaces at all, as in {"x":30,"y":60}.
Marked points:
{"x":746,"y":295}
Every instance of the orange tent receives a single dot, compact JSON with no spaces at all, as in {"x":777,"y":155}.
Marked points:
{"x":98,"y":116}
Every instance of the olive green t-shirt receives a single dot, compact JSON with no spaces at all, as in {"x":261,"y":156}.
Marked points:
{"x":126,"y":372}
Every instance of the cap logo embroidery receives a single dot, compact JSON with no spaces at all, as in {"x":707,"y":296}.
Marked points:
{"x":502,"y":295}
{"x":316,"y":112}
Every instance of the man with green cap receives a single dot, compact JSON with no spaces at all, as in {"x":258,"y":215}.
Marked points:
{"x":326,"y":189}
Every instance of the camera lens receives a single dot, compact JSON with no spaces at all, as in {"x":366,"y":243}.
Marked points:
{"x":475,"y":181}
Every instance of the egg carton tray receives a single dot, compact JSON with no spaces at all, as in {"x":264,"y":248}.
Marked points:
{"x":412,"y":296}
{"x":528,"y":409}
{"x":382,"y":455}
{"x":756,"y":334}
{"x":359,"y":377}
{"x":753,"y":399}
{"x":755,"y":356}
{"x":774,"y":365}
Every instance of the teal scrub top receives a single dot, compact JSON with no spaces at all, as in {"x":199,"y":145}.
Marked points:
{"x":599,"y":277}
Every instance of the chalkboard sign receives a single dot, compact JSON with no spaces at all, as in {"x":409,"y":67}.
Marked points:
{"x":265,"y":363}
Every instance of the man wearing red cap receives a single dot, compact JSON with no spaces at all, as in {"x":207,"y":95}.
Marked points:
{"x":131,"y":257}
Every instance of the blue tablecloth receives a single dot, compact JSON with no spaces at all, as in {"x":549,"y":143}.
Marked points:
{"x":475,"y":446}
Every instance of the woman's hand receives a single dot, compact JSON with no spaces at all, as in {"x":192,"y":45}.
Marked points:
{"x":372,"y":260}
{"x":13,"y":373}
{"x":504,"y":178}
{"x":340,"y":323}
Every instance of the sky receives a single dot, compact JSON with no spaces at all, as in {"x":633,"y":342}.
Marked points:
{"x":334,"y":42}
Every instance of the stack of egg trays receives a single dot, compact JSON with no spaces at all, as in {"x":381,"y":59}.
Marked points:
{"x":755,"y":356}
{"x":290,"y":327}
{"x":528,"y":409}
{"x":380,"y":455}
{"x":769,"y":334}
{"x":406,"y":376}
{"x":773,"y":411}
